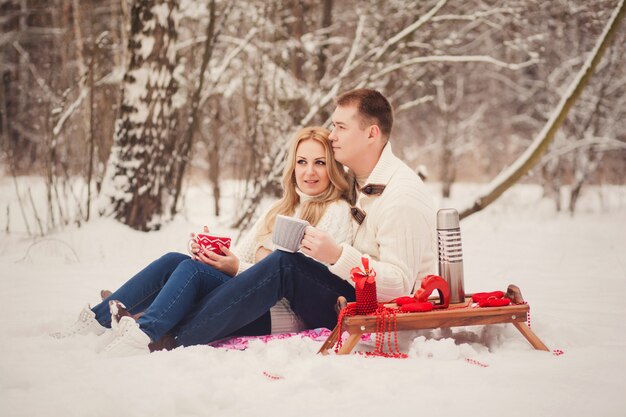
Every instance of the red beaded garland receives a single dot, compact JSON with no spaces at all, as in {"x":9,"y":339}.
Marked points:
{"x":477,"y":363}
{"x":386,"y":327}
{"x":271,"y":376}
{"x":555,"y":352}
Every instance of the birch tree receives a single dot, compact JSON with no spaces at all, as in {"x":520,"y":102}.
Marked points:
{"x":140,"y":166}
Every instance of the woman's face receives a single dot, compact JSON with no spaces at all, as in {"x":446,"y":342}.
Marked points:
{"x":311,"y":173}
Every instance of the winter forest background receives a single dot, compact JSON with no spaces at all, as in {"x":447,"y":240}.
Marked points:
{"x":118,"y":106}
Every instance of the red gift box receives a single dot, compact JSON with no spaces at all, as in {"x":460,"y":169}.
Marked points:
{"x":213,"y":243}
{"x":365,"y":288}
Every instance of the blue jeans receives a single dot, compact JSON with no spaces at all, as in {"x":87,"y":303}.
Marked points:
{"x":309,"y":286}
{"x":165,"y":291}
{"x":138,"y":293}
{"x":200,"y":304}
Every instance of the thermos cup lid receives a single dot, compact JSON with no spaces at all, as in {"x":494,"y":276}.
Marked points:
{"x":447,"y":218}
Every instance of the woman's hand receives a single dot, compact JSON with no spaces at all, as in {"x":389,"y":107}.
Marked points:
{"x":320,"y":245}
{"x":193,"y":247}
{"x":227,"y":263}
{"x":261,"y":253}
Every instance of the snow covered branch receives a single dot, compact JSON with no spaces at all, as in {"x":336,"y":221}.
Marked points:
{"x":38,"y":78}
{"x":531,"y":156}
{"x":456,"y":59}
{"x":411,"y":104}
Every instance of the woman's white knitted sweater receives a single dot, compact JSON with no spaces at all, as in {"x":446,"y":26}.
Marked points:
{"x":336,"y":221}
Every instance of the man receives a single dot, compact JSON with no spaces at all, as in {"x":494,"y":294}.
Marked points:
{"x":394,"y":217}
{"x":394,"y":223}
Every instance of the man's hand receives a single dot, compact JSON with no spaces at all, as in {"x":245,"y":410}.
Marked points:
{"x":227,"y":263}
{"x":320,"y":245}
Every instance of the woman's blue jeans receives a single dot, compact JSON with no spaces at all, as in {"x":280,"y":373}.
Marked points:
{"x":164,"y":291}
{"x":199,"y":304}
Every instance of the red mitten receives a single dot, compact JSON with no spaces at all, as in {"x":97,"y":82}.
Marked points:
{"x":415,"y":307}
{"x":479,"y":296}
{"x":494,"y":302}
{"x":404,"y":300}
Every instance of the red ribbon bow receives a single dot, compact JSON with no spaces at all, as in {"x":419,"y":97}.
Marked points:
{"x":365,"y":275}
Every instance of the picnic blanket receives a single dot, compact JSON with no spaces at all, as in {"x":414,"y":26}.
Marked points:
{"x":241,"y":342}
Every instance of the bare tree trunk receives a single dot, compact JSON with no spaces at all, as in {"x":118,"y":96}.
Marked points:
{"x":92,"y":133}
{"x":297,"y":30}
{"x":254,"y":174}
{"x":214,"y":159}
{"x":4,"y":119}
{"x":78,"y":35}
{"x":590,"y":162}
{"x":187,"y":142}
{"x":551,"y":174}
{"x":447,"y":111}
{"x":50,"y":172}
{"x":327,"y":20}
{"x":526,"y":161}
{"x":448,"y":165}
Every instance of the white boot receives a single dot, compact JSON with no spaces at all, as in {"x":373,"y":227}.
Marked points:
{"x":129,"y":340}
{"x":110,"y":334}
{"x":86,"y":324}
{"x":104,"y":340}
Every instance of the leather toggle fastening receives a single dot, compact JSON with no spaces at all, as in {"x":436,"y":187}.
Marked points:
{"x":369,"y":190}
{"x":373,"y":189}
{"x":358,"y":214}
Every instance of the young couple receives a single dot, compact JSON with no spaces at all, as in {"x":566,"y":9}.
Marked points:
{"x":206,"y":297}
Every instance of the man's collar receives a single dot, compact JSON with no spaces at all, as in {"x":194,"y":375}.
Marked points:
{"x":385,"y":167}
{"x":376,"y":182}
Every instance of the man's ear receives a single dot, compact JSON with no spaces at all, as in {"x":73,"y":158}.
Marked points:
{"x":373,"y":134}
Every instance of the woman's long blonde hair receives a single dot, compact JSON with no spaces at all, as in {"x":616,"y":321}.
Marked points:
{"x":314,"y":208}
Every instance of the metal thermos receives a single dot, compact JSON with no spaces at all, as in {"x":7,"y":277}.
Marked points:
{"x":450,"y":253}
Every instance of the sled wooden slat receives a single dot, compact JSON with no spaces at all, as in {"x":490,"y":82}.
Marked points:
{"x":450,"y":317}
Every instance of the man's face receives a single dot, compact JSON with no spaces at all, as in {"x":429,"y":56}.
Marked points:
{"x":349,"y":141}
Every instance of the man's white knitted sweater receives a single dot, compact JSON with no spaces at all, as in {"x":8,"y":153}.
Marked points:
{"x":398,"y":231}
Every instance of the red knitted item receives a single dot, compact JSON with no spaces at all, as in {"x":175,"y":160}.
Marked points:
{"x":485,"y":295}
{"x":404,"y":300}
{"x":491,"y":299}
{"x":416,"y":307}
{"x":494,"y":302}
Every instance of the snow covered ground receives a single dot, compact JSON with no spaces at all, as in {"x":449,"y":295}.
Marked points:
{"x":572,"y":271}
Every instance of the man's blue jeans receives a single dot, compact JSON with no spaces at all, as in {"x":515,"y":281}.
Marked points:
{"x":200,"y":304}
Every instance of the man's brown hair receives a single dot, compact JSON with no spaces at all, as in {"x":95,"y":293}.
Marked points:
{"x":372,"y":106}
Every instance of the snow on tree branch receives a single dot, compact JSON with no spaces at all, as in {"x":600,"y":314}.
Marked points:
{"x":456,"y":59}
{"x":530,"y":157}
{"x":40,"y":81}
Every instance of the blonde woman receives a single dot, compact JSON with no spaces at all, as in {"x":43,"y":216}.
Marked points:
{"x":175,"y":288}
